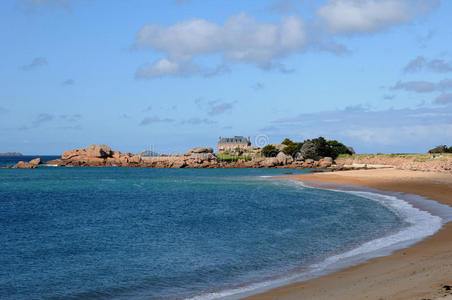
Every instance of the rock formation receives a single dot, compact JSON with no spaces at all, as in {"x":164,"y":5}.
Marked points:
{"x":200,"y":157}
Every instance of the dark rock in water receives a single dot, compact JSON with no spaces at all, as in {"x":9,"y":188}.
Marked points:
{"x":287,"y":173}
{"x":315,"y":171}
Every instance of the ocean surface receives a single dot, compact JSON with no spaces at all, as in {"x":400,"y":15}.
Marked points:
{"x":137,"y":233}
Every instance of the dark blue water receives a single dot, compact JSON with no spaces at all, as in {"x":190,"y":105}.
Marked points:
{"x":100,"y":233}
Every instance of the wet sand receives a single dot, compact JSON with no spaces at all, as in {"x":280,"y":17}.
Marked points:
{"x":418,"y":272}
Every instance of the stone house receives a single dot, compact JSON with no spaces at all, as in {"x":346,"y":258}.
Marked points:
{"x":230,"y":144}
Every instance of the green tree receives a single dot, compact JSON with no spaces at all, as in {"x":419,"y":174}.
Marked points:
{"x":292,"y":149}
{"x":439,"y":149}
{"x":338,"y":148}
{"x":288,"y":142}
{"x":309,"y":150}
{"x":269,"y":151}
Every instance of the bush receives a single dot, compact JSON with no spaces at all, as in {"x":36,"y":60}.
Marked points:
{"x":288,"y":142}
{"x":309,"y":150}
{"x":439,"y":149}
{"x":292,"y":149}
{"x":316,"y":148}
{"x":269,"y":151}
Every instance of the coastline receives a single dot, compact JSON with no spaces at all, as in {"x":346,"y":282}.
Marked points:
{"x":417,"y":272}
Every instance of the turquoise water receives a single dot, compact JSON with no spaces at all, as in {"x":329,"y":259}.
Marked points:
{"x":100,"y":233}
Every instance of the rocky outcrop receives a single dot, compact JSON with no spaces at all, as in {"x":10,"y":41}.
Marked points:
{"x":201,"y":157}
{"x":284,"y":159}
{"x":36,"y":161}
{"x":102,"y":151}
{"x":25,"y":165}
{"x":32,"y":164}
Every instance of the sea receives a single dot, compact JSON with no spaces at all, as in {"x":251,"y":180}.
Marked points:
{"x":142,"y":233}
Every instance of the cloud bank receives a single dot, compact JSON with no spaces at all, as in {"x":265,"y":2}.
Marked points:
{"x":368,"y":16}
{"x":243,"y":39}
{"x":240,"y":39}
{"x":421,"y":63}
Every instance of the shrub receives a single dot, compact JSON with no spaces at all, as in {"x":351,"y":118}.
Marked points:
{"x":439,"y":149}
{"x":316,"y":148}
{"x":269,"y":151}
{"x":287,"y":142}
{"x":309,"y":150}
{"x":292,"y":149}
{"x":338,"y":148}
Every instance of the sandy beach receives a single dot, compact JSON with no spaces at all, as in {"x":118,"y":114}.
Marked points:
{"x":419,"y":272}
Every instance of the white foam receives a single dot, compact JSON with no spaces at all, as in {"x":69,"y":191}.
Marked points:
{"x":419,"y":225}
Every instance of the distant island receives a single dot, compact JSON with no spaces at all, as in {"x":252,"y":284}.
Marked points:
{"x":11,"y":154}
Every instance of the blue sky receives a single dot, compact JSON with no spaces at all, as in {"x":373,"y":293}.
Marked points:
{"x":169,"y":75}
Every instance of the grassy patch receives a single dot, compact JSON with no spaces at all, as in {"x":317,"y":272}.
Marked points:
{"x":229,"y":158}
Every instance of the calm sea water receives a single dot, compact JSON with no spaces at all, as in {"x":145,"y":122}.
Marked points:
{"x":100,"y":233}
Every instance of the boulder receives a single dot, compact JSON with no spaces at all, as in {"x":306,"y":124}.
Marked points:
{"x":178,"y":163}
{"x":96,"y":150}
{"x":203,"y":156}
{"x":24,"y":165}
{"x":73,"y":153}
{"x":136,"y":159}
{"x":284,"y":159}
{"x":279,"y":147}
{"x":270,"y":162}
{"x":115,"y":154}
{"x":325,"y":162}
{"x":198,"y":150}
{"x":299,"y":157}
{"x":36,"y":161}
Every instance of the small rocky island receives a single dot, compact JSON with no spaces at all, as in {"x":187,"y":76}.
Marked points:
{"x":11,"y":154}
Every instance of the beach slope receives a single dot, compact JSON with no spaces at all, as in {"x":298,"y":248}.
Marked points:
{"x":423,"y":271}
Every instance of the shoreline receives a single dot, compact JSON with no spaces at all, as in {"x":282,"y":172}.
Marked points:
{"x":417,"y":272}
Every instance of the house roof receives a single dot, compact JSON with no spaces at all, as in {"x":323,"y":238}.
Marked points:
{"x":234,"y":140}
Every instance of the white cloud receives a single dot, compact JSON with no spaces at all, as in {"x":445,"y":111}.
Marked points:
{"x":366,"y":16}
{"x":243,"y":39}
{"x":240,"y":39}
{"x":423,"y":86}
{"x":164,"y":67}
{"x":155,"y":119}
{"x":435,"y":65}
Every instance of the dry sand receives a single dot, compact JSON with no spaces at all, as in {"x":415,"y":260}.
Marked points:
{"x":418,"y":272}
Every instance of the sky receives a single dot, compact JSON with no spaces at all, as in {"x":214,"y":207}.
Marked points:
{"x":171,"y":75}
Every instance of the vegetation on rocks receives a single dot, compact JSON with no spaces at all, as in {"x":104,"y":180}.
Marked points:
{"x":441,"y":149}
{"x":269,"y":151}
